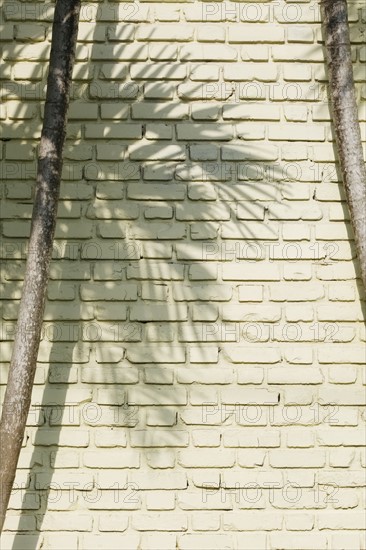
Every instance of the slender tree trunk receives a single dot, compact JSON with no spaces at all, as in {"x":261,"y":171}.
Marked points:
{"x":345,"y":118}
{"x":24,"y":358}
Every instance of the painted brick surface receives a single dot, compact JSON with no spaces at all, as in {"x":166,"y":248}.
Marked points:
{"x":200,"y":382}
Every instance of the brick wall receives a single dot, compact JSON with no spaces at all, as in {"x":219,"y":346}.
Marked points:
{"x":200,"y":382}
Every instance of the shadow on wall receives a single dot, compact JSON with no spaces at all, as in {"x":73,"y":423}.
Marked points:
{"x":138,"y":302}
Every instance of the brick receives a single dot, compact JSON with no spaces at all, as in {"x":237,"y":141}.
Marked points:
{"x":123,"y":52}
{"x":112,"y":522}
{"x":251,"y":375}
{"x":12,"y":523}
{"x":346,"y":437}
{"x":206,"y":438}
{"x":206,"y":251}
{"x":167,"y":13}
{"x":300,"y":438}
{"x":237,"y":438}
{"x":238,"y":479}
{"x":212,"y":52}
{"x":297,"y":459}
{"x":113,"y":542}
{"x":199,"y":191}
{"x":253,"y":112}
{"x":297,"y":71}
{"x":204,"y":230}
{"x":290,"y":375}
{"x":297,"y":312}
{"x":88,"y":32}
{"x":28,"y":71}
{"x":158,"y":71}
{"x":293,"y":292}
{"x":111,"y":437}
{"x":245,"y":397}
{"x":165,"y":417}
{"x":249,"y":33}
{"x":250,"y":132}
{"x":157,"y":522}
{"x":342,"y":375}
{"x":192,"y":500}
{"x":165,"y":541}
{"x":207,"y":132}
{"x":160,"y":500}
{"x":199,"y":211}
{"x":298,"y":52}
{"x":165,"y":33}
{"x":265,"y":314}
{"x":341,"y":354}
{"x":252,"y":272}
{"x":205,"y":72}
{"x":161,"y":354}
{"x":341,"y":396}
{"x":160,"y":111}
{"x":156,"y":152}
{"x":204,"y":92}
{"x":109,"y":375}
{"x":346,"y":313}
{"x":154,"y":291}
{"x":157,"y":395}
{"x":156,"y":191}
{"x":242,"y":152}
{"x":111,"y":459}
{"x":342,"y":271}
{"x":157,"y":271}
{"x":109,"y":291}
{"x":205,"y":313}
{"x":203,"y":354}
{"x":24,"y":111}
{"x":256,"y":230}
{"x":351,"y":520}
{"x":204,"y":111}
{"x":159,"y":90}
{"x":253,"y":354}
{"x":211,"y":292}
{"x":300,"y":34}
{"x":160,"y":332}
{"x":159,"y":458}
{"x":253,"y":521}
{"x":295,"y":132}
{"x":250,"y":293}
{"x":112,"y":131}
{"x":202,"y":272}
{"x":158,"y":313}
{"x":294,"y":232}
{"x":208,"y":332}
{"x":346,"y":541}
{"x":206,"y":459}
{"x":111,"y":111}
{"x":19,"y":541}
{"x":307,"y":541}
{"x":205,"y":542}
{"x":158,"y":131}
{"x":66,"y":521}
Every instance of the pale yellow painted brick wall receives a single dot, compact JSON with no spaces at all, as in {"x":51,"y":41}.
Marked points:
{"x":201,"y":378}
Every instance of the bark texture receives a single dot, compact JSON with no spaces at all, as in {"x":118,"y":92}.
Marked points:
{"x":345,"y":118}
{"x":24,"y":357}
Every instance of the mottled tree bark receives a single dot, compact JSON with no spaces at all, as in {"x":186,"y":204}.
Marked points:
{"x":24,"y":358}
{"x":345,"y":118}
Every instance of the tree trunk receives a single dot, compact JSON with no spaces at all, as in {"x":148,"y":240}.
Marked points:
{"x":24,"y":358}
{"x":345,"y":118}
